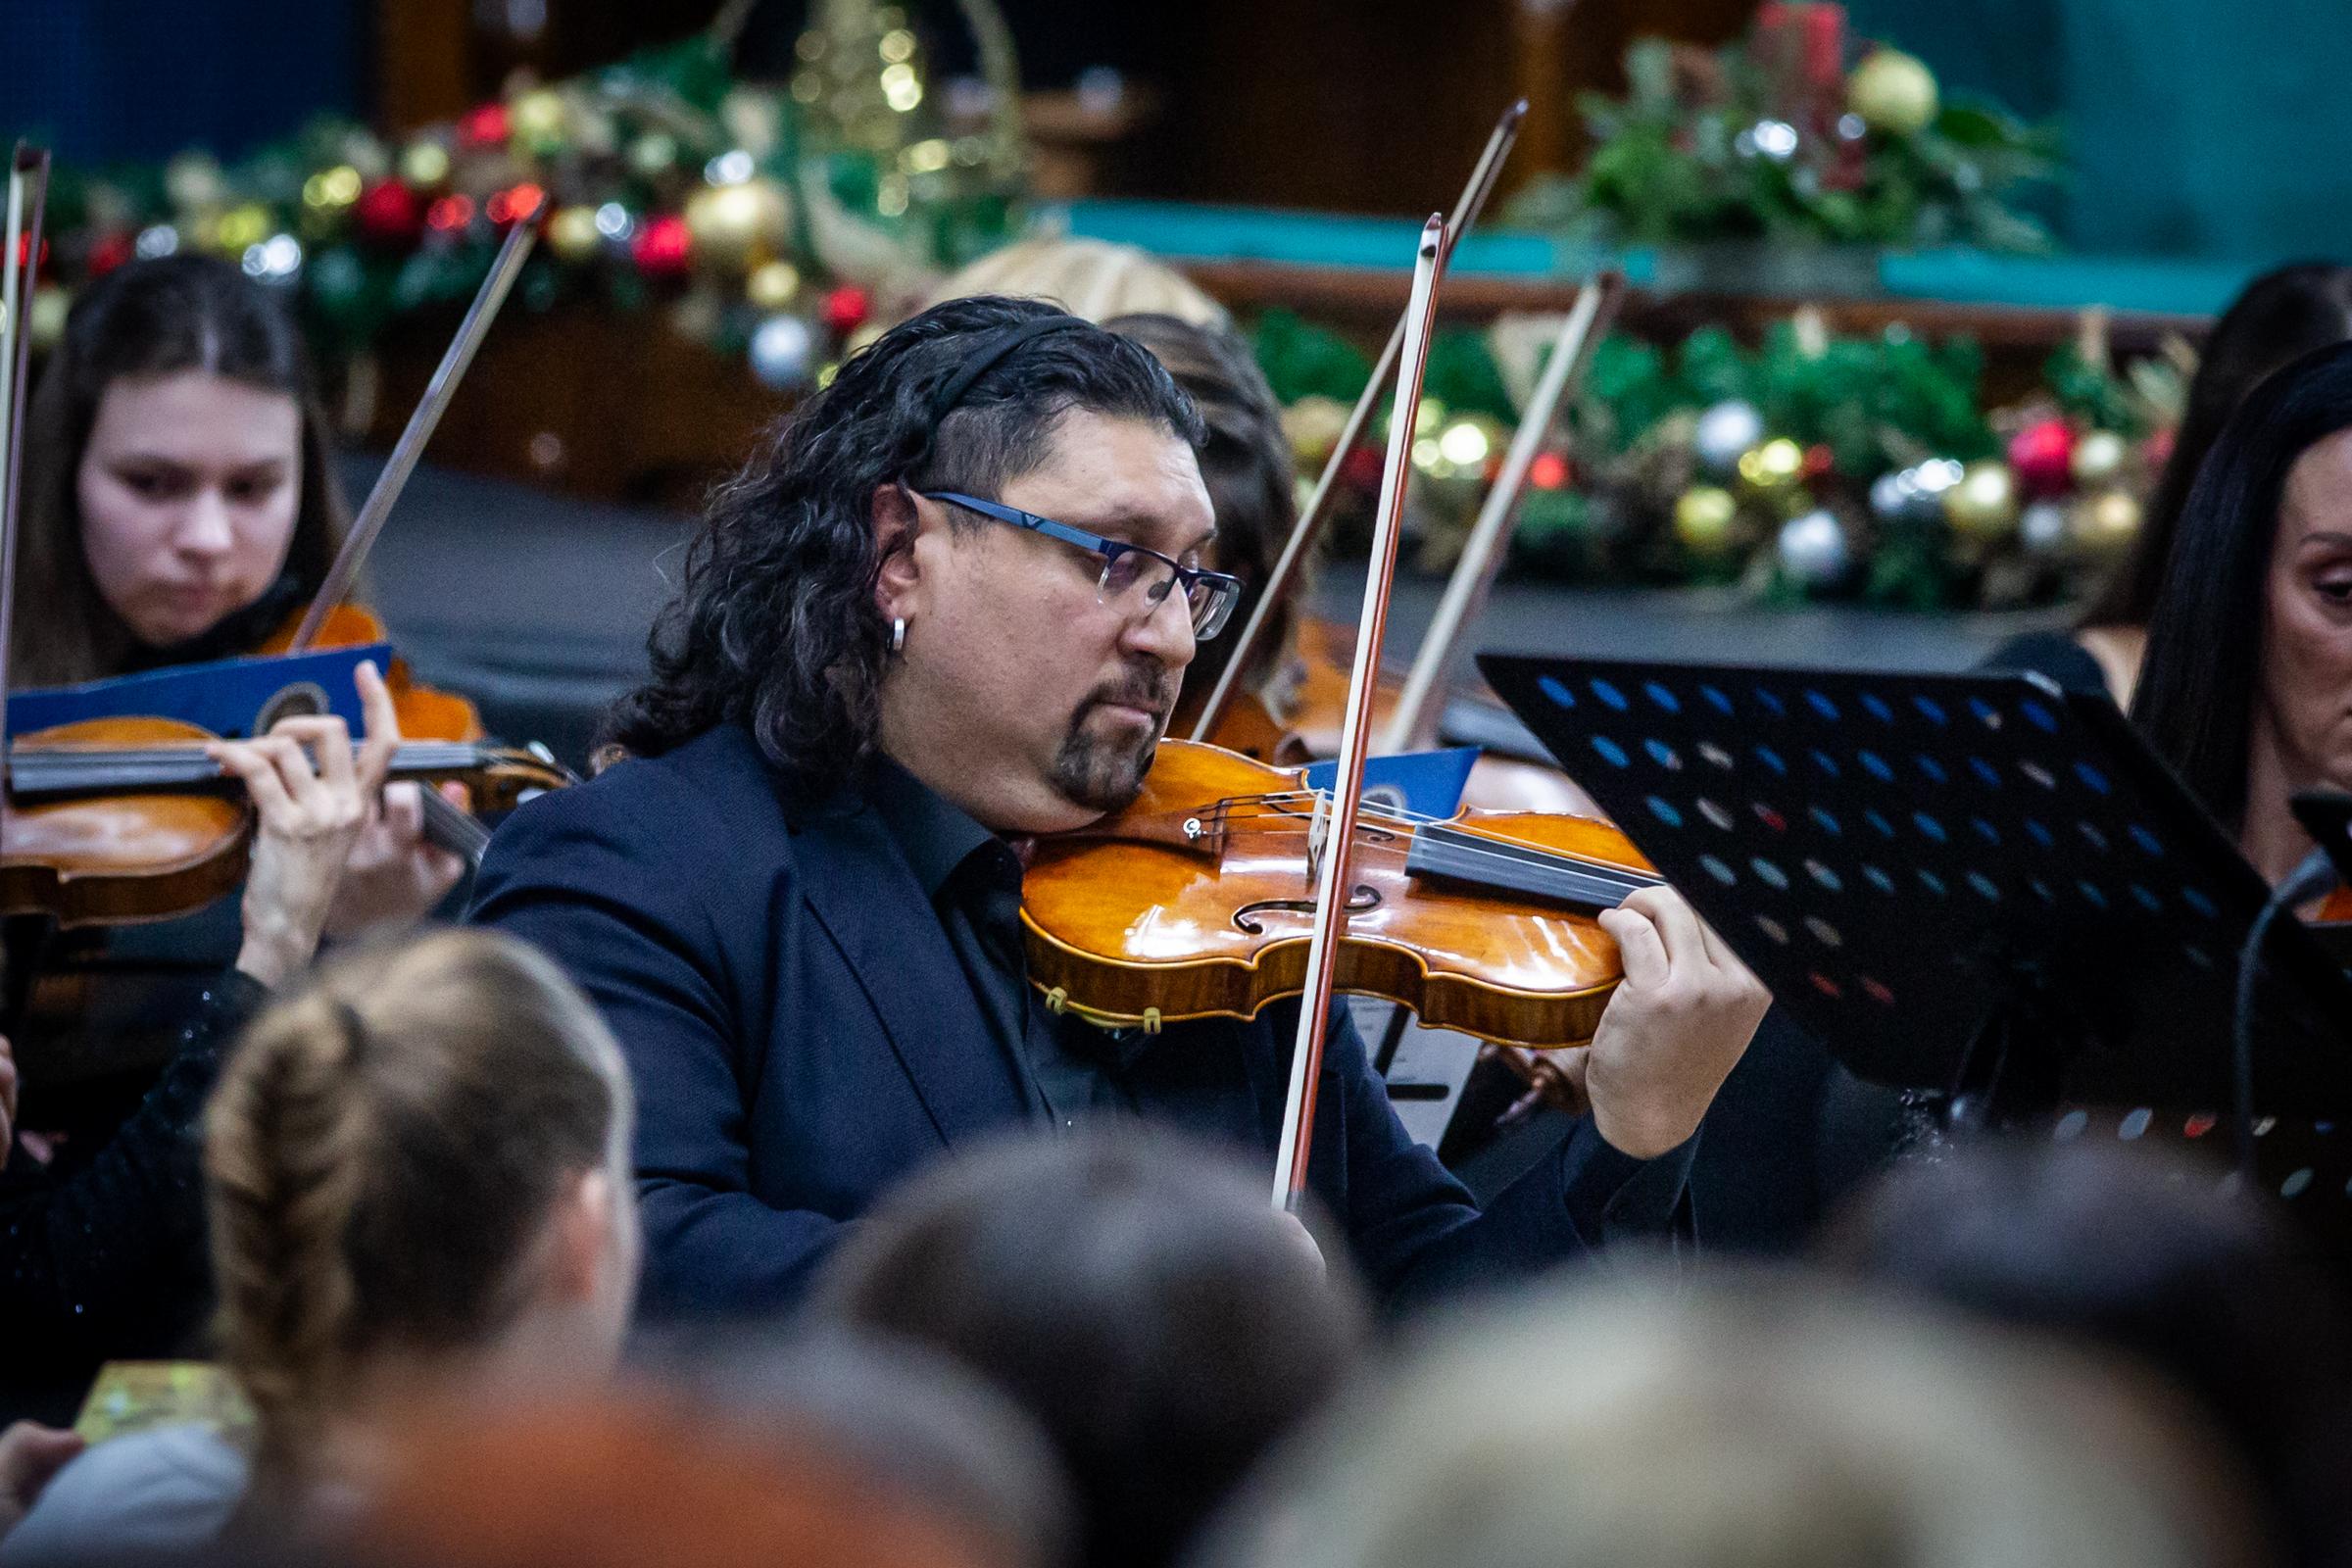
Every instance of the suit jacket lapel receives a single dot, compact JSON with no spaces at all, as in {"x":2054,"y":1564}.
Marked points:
{"x":858,"y":885}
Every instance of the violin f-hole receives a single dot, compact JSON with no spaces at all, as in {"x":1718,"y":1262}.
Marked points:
{"x":1246,"y":917}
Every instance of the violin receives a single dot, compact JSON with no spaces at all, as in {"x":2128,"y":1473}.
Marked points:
{"x":426,"y":712}
{"x":1196,"y":902}
{"x":116,"y":821}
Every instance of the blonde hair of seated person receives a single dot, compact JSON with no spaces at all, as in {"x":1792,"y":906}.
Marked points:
{"x":1088,"y":278}
{"x":1751,"y":1421}
{"x":417,"y":1173}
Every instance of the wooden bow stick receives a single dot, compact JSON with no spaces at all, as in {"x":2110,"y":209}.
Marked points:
{"x":1413,"y":723}
{"x":1303,"y":533}
{"x":1334,"y":883}
{"x":345,"y":572}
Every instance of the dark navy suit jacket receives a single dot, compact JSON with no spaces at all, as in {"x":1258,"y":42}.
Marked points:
{"x":802,"y":1036}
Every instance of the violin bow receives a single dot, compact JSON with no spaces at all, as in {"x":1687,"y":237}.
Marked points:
{"x":1334,"y":880}
{"x":1412,"y":723}
{"x":27,"y":185}
{"x":410,"y":446}
{"x":1309,"y":526}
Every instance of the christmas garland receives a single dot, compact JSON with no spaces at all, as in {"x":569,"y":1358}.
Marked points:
{"x":1807,"y":467}
{"x":1773,"y":139}
{"x":768,"y":217}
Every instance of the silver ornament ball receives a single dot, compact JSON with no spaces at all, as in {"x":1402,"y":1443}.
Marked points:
{"x":783,"y":352}
{"x":1813,"y":546}
{"x":1725,"y":431}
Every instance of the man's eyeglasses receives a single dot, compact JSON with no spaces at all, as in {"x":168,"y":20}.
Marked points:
{"x":1133,"y":576}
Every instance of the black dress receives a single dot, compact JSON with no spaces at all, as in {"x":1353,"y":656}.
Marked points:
{"x":102,"y":1251}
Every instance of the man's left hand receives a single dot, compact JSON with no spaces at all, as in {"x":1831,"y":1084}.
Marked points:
{"x":1675,"y":1029}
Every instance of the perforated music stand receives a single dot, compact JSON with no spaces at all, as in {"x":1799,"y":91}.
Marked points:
{"x":1977,"y":884}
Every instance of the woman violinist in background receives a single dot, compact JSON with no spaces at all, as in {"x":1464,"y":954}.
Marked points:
{"x":178,"y":506}
{"x":2277,"y":317}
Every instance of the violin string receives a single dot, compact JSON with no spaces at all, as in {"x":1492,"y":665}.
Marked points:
{"x":1518,"y":853}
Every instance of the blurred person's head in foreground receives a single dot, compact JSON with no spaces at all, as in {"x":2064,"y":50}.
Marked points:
{"x":912,"y":1421}
{"x":418,"y":1179}
{"x":630,"y":1482}
{"x":2128,"y":1250}
{"x":1742,"y":1421}
{"x":1135,"y":1294}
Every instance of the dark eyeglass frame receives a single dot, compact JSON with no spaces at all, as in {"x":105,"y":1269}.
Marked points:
{"x":1208,"y":620}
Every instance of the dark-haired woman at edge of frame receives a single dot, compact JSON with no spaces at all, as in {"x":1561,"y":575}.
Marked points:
{"x":2275,"y":319}
{"x":178,"y":506}
{"x":1787,"y":1093}
{"x":2247,"y":691}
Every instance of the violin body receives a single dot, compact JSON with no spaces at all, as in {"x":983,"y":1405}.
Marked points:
{"x":1197,"y":902}
{"x":120,"y":859}
{"x":114,"y":822}
{"x":425,"y":712}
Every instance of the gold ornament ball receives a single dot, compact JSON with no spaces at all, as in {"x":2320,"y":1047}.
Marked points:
{"x":193,"y":180}
{"x":1774,"y":466}
{"x":653,"y":153}
{"x":772,"y":286}
{"x":727,"y":223}
{"x":2106,"y":524}
{"x":45,"y":320}
{"x":241,"y":227}
{"x":424,"y":164}
{"x":537,"y":118}
{"x":1704,"y":516}
{"x":1983,"y":506}
{"x":1313,"y":425}
{"x":2100,"y":455}
{"x":1893,"y":92}
{"x":572,"y":234}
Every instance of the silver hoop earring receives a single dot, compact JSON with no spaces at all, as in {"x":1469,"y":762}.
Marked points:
{"x":898,"y":635}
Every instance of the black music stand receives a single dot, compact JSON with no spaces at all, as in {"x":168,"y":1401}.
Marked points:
{"x":1973,"y":884}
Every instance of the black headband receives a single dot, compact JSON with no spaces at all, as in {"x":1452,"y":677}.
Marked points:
{"x":991,"y":347}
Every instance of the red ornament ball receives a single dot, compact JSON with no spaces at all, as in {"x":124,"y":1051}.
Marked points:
{"x":846,"y":308}
{"x":389,"y":212}
{"x":661,"y":247}
{"x":1819,"y":460}
{"x":486,"y":127}
{"x":2041,"y":456}
{"x":1550,"y":472}
{"x":111,"y":252}
{"x":1361,"y":468}
{"x":450,"y":213}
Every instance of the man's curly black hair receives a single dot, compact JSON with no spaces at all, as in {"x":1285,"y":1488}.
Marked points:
{"x":775,"y":624}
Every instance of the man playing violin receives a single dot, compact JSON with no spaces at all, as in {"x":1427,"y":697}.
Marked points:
{"x":947,"y":610}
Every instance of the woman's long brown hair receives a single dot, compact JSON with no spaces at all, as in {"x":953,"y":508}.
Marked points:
{"x":150,"y":318}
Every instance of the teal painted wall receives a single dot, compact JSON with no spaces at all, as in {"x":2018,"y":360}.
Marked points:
{"x":2212,"y":128}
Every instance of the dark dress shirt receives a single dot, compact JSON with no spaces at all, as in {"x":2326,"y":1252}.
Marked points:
{"x":817,"y":999}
